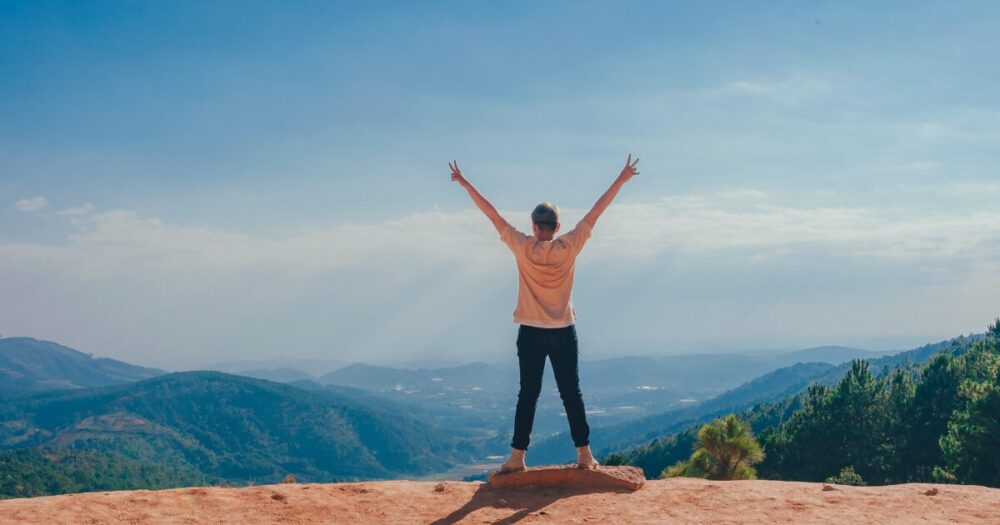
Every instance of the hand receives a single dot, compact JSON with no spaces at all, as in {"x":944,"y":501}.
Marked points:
{"x":456,"y":174}
{"x":629,"y":170}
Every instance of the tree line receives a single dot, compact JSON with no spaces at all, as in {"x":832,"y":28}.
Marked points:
{"x":938,"y":422}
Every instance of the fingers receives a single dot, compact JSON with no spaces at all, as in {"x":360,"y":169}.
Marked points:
{"x":452,"y":168}
{"x":629,"y":163}
{"x":456,"y":167}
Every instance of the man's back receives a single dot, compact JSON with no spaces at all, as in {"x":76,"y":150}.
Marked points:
{"x":545,"y":275}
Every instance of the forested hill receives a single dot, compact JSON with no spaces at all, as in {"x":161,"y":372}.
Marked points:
{"x":30,"y":472}
{"x":771,"y":387}
{"x":29,"y":365}
{"x":879,"y":365}
{"x":934,"y":417}
{"x":226,"y":427}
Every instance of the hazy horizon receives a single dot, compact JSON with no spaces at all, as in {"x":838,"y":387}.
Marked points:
{"x":318,"y":366}
{"x":190,"y":184}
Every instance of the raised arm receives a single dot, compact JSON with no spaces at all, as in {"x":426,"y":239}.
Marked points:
{"x":491,"y":213}
{"x":602,"y":204}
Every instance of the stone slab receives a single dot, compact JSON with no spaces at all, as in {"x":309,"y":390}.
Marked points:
{"x":630,"y":478}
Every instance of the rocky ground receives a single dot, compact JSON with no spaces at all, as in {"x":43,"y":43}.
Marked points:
{"x":666,"y":501}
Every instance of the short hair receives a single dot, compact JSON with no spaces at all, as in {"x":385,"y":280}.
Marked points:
{"x":546,"y":216}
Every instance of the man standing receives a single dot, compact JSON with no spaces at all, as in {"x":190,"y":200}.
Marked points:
{"x":545,"y":311}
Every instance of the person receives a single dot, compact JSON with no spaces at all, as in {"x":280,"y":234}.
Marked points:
{"x":544,"y":311}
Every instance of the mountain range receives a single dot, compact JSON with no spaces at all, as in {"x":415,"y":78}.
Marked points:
{"x":68,"y":411}
{"x":231,"y":428}
{"x":29,"y":365}
{"x":701,"y":373}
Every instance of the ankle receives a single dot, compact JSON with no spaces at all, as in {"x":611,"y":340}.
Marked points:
{"x":515,"y":463}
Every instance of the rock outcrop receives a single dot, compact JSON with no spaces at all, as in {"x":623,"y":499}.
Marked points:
{"x":629,"y":478}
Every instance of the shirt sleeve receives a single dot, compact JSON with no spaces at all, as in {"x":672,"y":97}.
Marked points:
{"x":511,"y":236}
{"x":578,"y":237}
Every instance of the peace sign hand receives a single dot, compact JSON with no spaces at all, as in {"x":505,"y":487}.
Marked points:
{"x":629,"y":170}
{"x":456,"y":174}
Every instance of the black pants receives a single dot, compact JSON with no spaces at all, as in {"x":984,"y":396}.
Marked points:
{"x":560,"y":345}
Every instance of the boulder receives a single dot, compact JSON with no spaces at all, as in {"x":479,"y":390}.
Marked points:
{"x":630,"y":478}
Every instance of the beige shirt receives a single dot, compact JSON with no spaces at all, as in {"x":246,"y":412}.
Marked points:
{"x":545,"y":275}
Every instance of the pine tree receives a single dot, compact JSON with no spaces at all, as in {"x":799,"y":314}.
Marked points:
{"x":970,"y":446}
{"x":726,"y":450}
{"x":934,"y":400}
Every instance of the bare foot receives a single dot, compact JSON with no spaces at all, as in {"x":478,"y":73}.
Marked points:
{"x":585,"y":459}
{"x":515,"y":463}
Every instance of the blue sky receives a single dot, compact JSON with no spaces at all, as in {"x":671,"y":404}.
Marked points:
{"x":190,"y":182}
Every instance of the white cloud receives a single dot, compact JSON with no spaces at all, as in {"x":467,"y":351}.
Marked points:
{"x":754,"y":222}
{"x":84,"y":209}
{"x":747,"y":225}
{"x":742,"y":223}
{"x":433,"y":279}
{"x":127,"y":238}
{"x":795,"y":88}
{"x":32,"y":204}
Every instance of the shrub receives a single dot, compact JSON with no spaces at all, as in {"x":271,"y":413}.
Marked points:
{"x":847,"y":476}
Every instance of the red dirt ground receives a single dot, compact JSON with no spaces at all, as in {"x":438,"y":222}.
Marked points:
{"x":679,"y":500}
